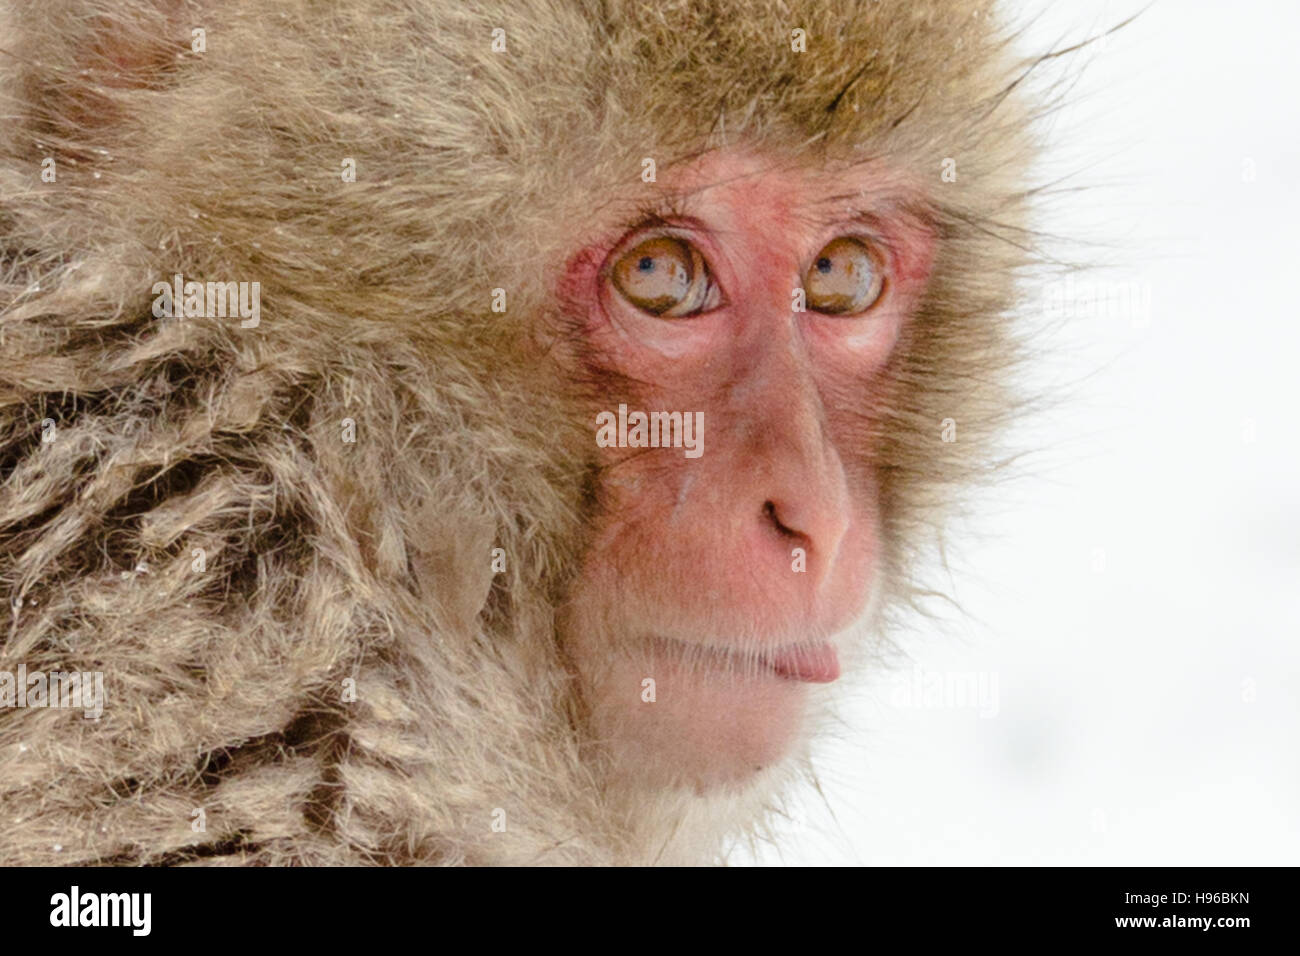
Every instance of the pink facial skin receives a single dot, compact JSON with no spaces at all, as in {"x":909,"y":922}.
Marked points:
{"x":691,"y":578}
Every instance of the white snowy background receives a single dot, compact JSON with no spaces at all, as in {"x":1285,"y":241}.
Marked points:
{"x":1136,"y":594}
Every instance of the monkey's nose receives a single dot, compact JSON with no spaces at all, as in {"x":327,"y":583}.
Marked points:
{"x":817,"y":526}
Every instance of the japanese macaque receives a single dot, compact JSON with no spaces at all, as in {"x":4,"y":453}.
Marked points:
{"x":476,"y":432}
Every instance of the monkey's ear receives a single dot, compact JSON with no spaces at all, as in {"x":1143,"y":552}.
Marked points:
{"x":77,"y":62}
{"x":453,"y":564}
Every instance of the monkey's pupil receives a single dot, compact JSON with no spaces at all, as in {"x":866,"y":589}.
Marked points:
{"x":823,"y":265}
{"x":647,"y":264}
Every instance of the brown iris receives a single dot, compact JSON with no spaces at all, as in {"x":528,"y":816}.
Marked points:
{"x":845,"y":279}
{"x":664,"y":276}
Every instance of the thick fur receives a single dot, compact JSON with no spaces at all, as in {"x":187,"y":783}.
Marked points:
{"x":328,"y":561}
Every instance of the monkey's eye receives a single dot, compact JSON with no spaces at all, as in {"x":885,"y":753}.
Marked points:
{"x":665,"y":276}
{"x":846,"y":278}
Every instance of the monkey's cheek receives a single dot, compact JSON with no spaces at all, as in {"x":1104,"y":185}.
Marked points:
{"x":669,"y":724}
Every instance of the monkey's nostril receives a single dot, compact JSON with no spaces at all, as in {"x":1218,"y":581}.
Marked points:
{"x":769,"y":512}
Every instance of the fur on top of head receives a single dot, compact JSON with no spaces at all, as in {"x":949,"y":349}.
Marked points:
{"x":275,"y":541}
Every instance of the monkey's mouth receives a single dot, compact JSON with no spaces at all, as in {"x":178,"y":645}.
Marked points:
{"x":806,"y":663}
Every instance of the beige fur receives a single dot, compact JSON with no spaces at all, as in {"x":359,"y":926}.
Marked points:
{"x":328,"y":560}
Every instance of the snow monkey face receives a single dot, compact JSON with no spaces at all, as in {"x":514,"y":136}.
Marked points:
{"x":741,"y":333}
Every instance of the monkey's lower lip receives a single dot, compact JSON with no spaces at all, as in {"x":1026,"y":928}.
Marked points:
{"x":818,"y":664}
{"x":808,"y":664}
